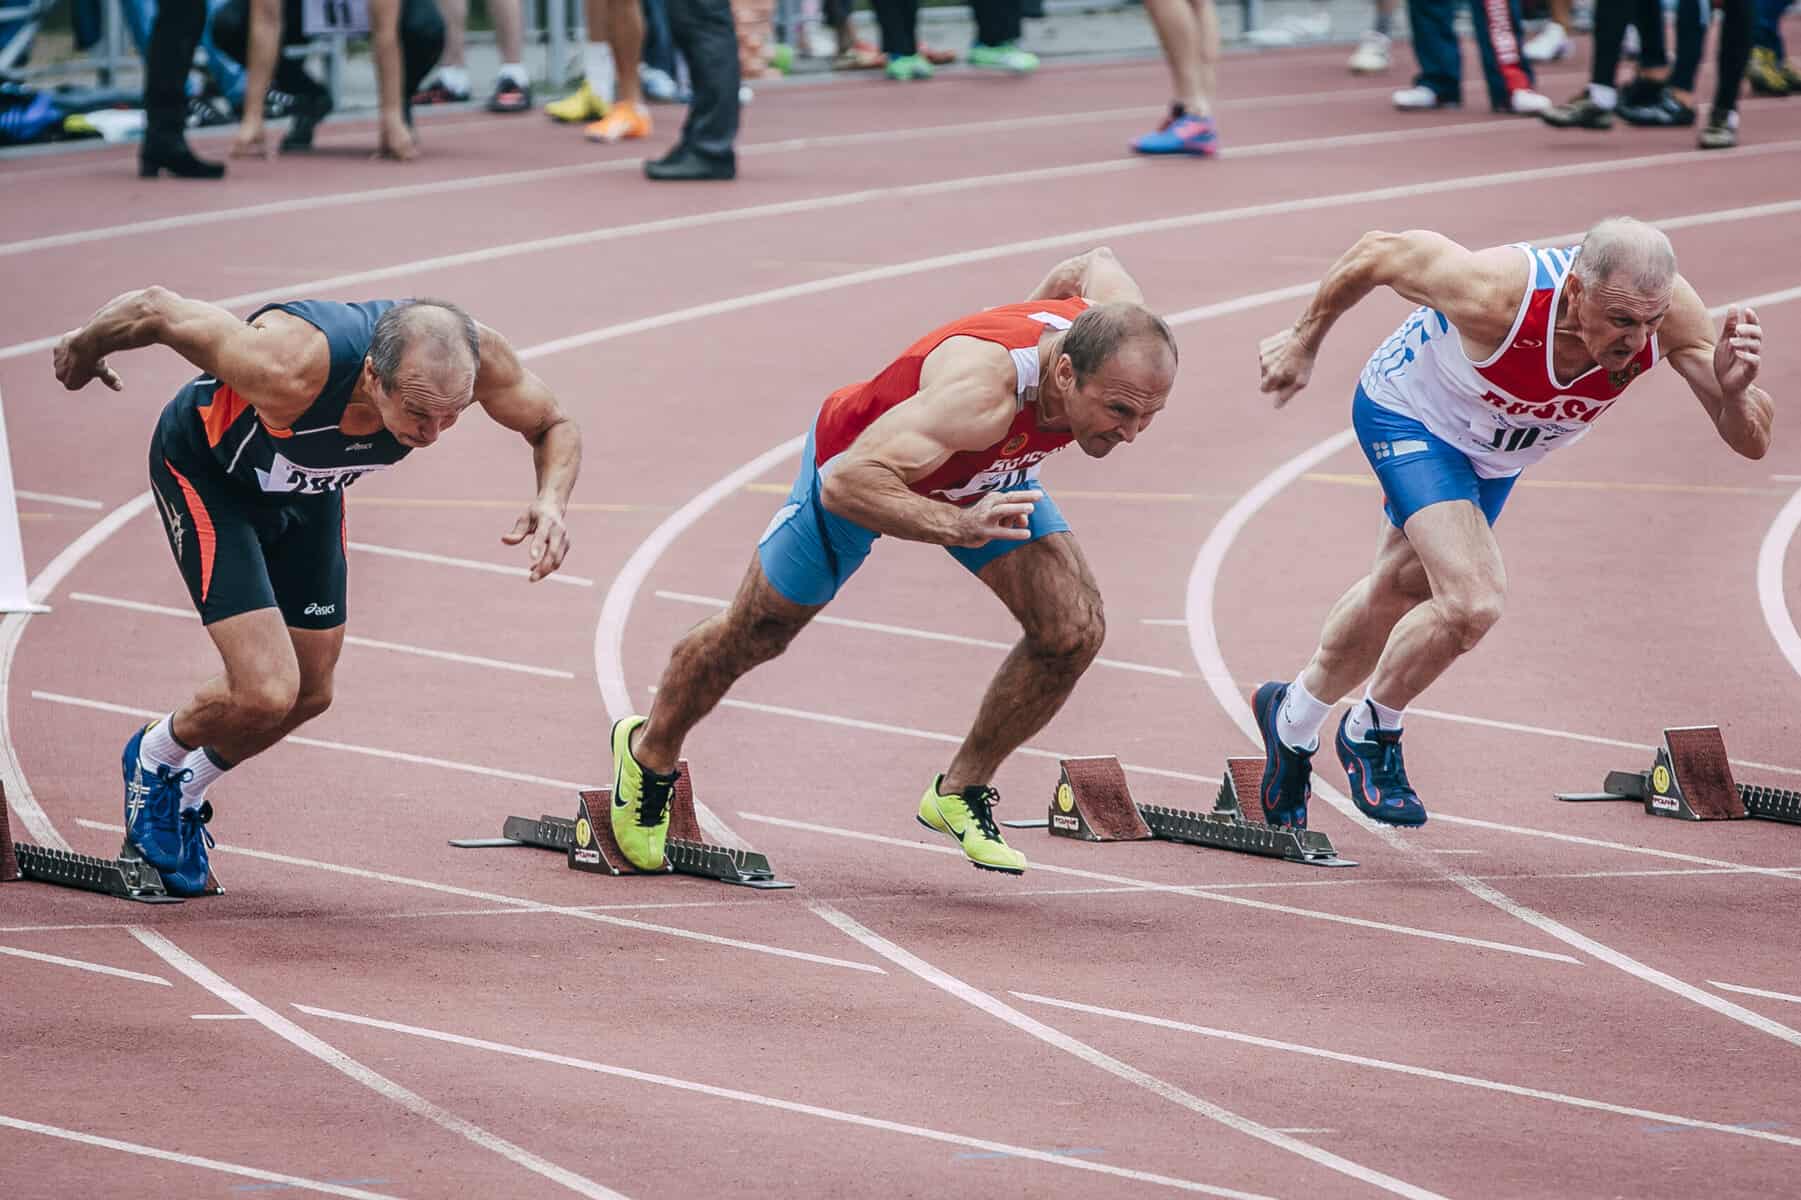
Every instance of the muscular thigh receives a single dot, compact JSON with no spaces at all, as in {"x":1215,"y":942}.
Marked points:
{"x":1046,"y":584}
{"x":216,"y":535}
{"x":1456,"y":549}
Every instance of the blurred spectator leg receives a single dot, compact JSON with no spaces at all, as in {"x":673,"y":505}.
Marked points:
{"x":1439,"y":83}
{"x":173,"y":38}
{"x":1189,"y":33}
{"x":704,"y":34}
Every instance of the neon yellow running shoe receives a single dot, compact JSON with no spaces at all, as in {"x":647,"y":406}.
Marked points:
{"x":640,"y":802}
{"x":579,"y":107}
{"x":968,"y":819}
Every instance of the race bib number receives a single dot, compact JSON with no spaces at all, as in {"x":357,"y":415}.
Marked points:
{"x":284,"y":476}
{"x":348,"y":18}
{"x":1511,"y":439}
{"x":1002,"y":477}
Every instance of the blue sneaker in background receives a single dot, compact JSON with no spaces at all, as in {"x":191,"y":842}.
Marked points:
{"x":1186,"y":134}
{"x":1287,"y":773}
{"x":1378,"y":776}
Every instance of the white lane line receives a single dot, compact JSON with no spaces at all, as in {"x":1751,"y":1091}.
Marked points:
{"x":1580,"y":840}
{"x":1772,"y":555}
{"x":953,"y":739}
{"x":782,"y":1105}
{"x":12,"y":627}
{"x":230,"y":1016}
{"x":1001,"y":1011}
{"x":1751,"y":991}
{"x":421,"y":760}
{"x":616,"y":166}
{"x":811,"y":204}
{"x":190,"y":1160}
{"x":1571,"y":736}
{"x":414,"y":1103}
{"x":928,"y":635}
{"x":609,"y":630}
{"x":83,"y":965}
{"x":1360,"y":1060}
{"x":1204,"y":640}
{"x":1182,"y":621}
{"x":1082,"y":237}
{"x":60,"y":928}
{"x":473,"y":660}
{"x":580,"y":914}
{"x":469,"y":564}
{"x":65,"y":501}
{"x":1198,"y":892}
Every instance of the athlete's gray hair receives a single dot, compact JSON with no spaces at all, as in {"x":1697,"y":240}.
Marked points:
{"x":1102,"y":329}
{"x":441,"y":324}
{"x":1629,"y":253}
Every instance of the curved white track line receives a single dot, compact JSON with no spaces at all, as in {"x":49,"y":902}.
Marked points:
{"x":1204,"y":640}
{"x":1771,"y":557}
{"x":18,"y":791}
{"x":414,"y":1103}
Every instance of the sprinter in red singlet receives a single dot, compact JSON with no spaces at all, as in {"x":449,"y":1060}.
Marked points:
{"x":943,"y":446}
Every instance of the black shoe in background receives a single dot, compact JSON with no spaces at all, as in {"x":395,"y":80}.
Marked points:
{"x":683,"y":163}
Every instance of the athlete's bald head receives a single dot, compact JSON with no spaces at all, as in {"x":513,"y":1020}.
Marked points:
{"x":1625,"y":253}
{"x":434,"y":337}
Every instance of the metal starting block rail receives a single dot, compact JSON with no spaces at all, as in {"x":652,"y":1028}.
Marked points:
{"x":587,"y":840}
{"x":1691,"y":780}
{"x":1093,"y":803}
{"x":127,"y":877}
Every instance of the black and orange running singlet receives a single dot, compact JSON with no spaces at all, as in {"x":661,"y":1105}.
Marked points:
{"x":209,"y":424}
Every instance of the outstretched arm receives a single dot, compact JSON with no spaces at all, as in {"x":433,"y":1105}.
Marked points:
{"x":965,"y":402}
{"x":1471,"y":287}
{"x":520,"y":401}
{"x":278,"y":364}
{"x":1722,"y":373}
{"x":1095,"y":275}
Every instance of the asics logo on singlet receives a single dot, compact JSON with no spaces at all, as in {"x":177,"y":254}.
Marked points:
{"x":359,"y":446}
{"x":321,"y":610}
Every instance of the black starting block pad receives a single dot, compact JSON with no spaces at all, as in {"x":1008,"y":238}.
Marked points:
{"x":1092,"y":803}
{"x":587,"y":840}
{"x":127,"y":877}
{"x":1691,"y":780}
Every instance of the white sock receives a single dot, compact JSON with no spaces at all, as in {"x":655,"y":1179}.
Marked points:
{"x":159,"y":747}
{"x":516,"y":73}
{"x":1299,"y":719}
{"x":206,"y":769}
{"x":1367,"y":713}
{"x":602,"y":80}
{"x":455,"y":78}
{"x":1603,"y":96}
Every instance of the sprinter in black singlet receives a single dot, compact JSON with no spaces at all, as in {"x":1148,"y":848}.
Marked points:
{"x":248,"y":465}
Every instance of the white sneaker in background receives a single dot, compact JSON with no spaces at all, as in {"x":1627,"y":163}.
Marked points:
{"x":1371,"y":55}
{"x":1548,"y":44}
{"x":1528,"y":103}
{"x":1293,"y":31}
{"x":1420,"y":98}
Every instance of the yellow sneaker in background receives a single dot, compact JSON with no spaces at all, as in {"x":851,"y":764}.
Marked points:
{"x":577,"y":107}
{"x":640,"y":802}
{"x":968,"y":820}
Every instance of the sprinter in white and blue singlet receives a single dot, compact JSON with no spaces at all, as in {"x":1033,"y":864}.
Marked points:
{"x":248,"y":466}
{"x":1514,"y":352}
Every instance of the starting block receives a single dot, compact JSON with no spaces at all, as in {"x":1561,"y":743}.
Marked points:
{"x":1691,"y":780}
{"x":587,"y":840}
{"x":1092,"y":803}
{"x":127,"y":877}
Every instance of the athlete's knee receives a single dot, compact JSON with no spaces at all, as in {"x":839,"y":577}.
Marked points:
{"x":1470,"y":615}
{"x":264,"y":700}
{"x":1075,"y":634}
{"x":314,"y":698}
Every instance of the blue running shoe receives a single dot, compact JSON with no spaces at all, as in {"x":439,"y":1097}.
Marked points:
{"x":189,"y":876}
{"x":1287,"y":772}
{"x":1186,"y":134}
{"x":1378,"y":777}
{"x":152,"y":806}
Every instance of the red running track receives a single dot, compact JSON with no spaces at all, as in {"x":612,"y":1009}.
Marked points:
{"x":1520,"y":999}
